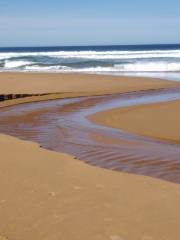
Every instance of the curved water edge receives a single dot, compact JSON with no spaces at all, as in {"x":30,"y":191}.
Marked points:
{"x":62,"y":125}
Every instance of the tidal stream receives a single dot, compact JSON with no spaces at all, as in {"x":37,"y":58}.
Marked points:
{"x":62,"y":125}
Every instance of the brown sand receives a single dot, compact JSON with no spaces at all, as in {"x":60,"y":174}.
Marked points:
{"x":68,"y":83}
{"x":160,"y":120}
{"x":72,"y":85}
{"x":47,"y":195}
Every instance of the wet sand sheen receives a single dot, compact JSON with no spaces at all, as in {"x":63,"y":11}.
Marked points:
{"x":61,"y":125}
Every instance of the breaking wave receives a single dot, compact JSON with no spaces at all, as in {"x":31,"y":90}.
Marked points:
{"x":93,"y":61}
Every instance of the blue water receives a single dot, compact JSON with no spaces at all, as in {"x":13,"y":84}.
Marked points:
{"x":142,"y":60}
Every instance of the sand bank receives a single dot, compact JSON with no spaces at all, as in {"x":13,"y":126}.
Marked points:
{"x":160,"y":120}
{"x":47,"y":195}
{"x":71,"y":85}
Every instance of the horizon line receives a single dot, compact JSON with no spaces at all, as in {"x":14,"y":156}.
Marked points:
{"x":89,"y":45}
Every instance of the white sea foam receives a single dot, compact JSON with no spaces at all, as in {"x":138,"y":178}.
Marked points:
{"x":126,"y":67}
{"x":149,"y":67}
{"x":97,"y":54}
{"x":38,"y":68}
{"x":15,"y":64}
{"x":134,"y":67}
{"x":92,"y":61}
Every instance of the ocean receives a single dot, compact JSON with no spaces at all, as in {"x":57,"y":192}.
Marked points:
{"x":139,"y":60}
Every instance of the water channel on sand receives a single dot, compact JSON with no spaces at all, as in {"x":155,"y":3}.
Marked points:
{"x":62,"y":125}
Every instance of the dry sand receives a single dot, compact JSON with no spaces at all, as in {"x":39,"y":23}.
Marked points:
{"x":160,"y":120}
{"x":47,"y":195}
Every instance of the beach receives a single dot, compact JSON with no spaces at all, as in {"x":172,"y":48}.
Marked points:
{"x":159,"y":121}
{"x":51,"y":195}
{"x":54,"y":85}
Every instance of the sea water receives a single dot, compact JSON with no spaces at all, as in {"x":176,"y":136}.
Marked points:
{"x":137,"y":60}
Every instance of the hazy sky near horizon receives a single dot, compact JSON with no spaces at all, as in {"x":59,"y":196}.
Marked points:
{"x":80,"y":22}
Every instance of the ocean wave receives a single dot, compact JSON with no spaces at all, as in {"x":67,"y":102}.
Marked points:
{"x":53,"y":68}
{"x":16,"y":64}
{"x":125,"y":67}
{"x":135,"y":67}
{"x":116,"y":61}
{"x":149,"y":67}
{"x":96,"y":54}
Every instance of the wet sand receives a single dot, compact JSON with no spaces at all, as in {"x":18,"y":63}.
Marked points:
{"x":61,"y":125}
{"x":47,"y":195}
{"x":159,"y":120}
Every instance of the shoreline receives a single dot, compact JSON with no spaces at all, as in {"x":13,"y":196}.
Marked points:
{"x":41,"y":86}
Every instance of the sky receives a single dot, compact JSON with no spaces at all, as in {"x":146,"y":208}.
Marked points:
{"x":91,"y":22}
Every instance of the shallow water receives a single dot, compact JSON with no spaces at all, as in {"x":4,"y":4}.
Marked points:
{"x":61,"y":125}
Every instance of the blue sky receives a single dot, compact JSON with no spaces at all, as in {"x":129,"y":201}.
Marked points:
{"x":78,"y":22}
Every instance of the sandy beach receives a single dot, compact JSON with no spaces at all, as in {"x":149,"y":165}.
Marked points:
{"x":160,"y":120}
{"x":71,"y":85}
{"x":48,"y":195}
{"x":75,"y":83}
